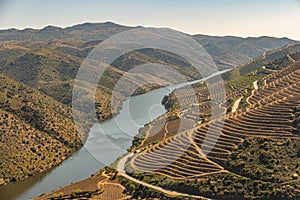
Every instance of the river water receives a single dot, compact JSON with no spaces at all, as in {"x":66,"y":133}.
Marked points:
{"x":107,"y":141}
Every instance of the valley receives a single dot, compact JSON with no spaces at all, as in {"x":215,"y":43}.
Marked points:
{"x":239,"y":156}
{"x":180,"y":153}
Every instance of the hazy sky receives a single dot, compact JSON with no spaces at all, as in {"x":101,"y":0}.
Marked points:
{"x":212,"y":17}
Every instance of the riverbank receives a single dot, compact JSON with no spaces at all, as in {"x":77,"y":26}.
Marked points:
{"x":108,"y":140}
{"x":102,"y":185}
{"x":108,"y":184}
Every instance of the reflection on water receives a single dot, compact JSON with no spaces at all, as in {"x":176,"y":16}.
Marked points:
{"x":12,"y":190}
{"x":79,"y":166}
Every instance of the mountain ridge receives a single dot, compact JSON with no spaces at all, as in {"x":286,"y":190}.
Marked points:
{"x":227,"y":51}
{"x":110,"y":23}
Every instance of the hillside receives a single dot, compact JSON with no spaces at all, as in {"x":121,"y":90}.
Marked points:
{"x":37,"y":132}
{"x":227,"y":52}
{"x":234,"y":51}
{"x":38,"y":69}
{"x":239,"y":81}
{"x":48,"y":59}
{"x":51,"y":68}
{"x":267,"y":59}
{"x":257,"y":155}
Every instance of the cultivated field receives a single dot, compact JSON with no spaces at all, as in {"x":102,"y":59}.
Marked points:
{"x":193,"y":154}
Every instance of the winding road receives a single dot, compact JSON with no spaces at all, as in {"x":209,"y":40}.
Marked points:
{"x":121,"y":169}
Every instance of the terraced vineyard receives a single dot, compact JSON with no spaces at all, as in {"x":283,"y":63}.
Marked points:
{"x":193,"y":154}
{"x":200,"y":93}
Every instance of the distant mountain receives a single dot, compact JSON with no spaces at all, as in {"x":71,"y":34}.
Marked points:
{"x":85,"y":32}
{"x":227,"y":52}
{"x":234,"y":51}
{"x":277,"y":57}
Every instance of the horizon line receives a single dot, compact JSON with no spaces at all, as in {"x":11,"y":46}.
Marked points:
{"x":136,"y":26}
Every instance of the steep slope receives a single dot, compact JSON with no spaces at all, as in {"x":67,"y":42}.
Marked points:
{"x":52,"y":70}
{"x":256,"y":150}
{"x":234,"y":51}
{"x":257,"y":155}
{"x":238,"y":81}
{"x":37,"y":132}
{"x":266,"y":60}
{"x":48,"y":59}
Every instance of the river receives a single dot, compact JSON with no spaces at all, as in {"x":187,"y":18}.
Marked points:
{"x":137,"y":110}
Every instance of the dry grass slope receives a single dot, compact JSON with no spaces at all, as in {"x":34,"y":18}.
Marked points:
{"x":37,"y":132}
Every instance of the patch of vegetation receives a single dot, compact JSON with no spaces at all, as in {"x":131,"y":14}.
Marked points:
{"x":137,"y":141}
{"x":76,"y":194}
{"x":278,"y":63}
{"x":37,"y":132}
{"x":264,"y":60}
{"x":261,"y":169}
{"x":227,"y":186}
{"x":245,"y":82}
{"x":266,"y":160}
{"x":146,"y":88}
{"x":170,"y":102}
{"x":138,"y":191}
